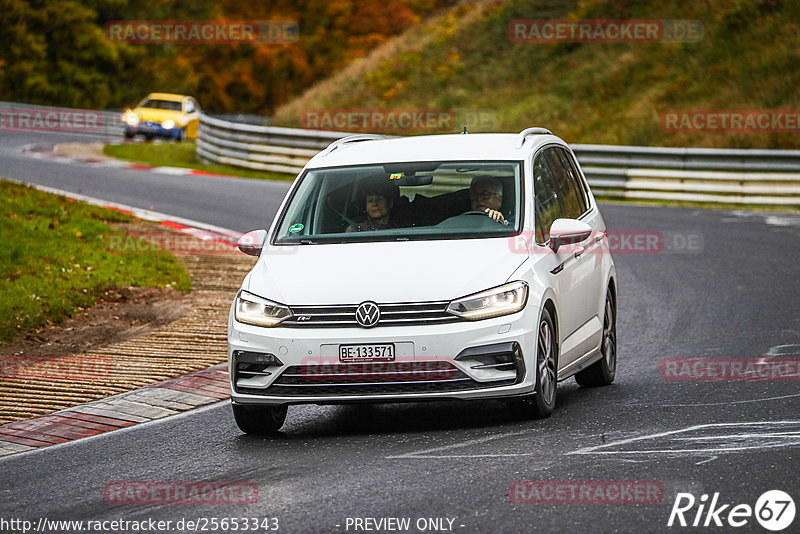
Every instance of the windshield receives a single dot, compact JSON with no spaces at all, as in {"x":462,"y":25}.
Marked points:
{"x":404,"y":201}
{"x":162,"y":104}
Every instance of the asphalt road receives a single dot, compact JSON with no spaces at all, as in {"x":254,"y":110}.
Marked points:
{"x":733,"y":295}
{"x":235,"y":203}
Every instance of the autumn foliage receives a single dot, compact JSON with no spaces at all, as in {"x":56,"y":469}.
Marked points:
{"x":55,"y":52}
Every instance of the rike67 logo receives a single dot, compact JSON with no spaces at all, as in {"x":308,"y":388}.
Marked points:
{"x":774,"y":510}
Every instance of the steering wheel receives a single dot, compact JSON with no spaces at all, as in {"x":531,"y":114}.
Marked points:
{"x":476,"y":212}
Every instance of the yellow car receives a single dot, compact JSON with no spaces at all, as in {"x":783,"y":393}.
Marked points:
{"x":163,"y":115}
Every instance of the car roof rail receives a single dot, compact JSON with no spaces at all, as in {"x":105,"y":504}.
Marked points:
{"x":351,"y":139}
{"x":531,"y":131}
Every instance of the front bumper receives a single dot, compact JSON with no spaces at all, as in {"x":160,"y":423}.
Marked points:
{"x":455,"y":360}
{"x":153,"y":129}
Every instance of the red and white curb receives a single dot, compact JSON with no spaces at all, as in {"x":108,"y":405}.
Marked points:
{"x":126,"y":409}
{"x":197,"y":229}
{"x":153,"y":402}
{"x":46,"y":152}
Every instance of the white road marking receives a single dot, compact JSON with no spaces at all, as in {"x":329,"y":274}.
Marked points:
{"x":707,"y":460}
{"x":784,"y":350}
{"x":426,"y":453}
{"x":748,"y":401}
{"x":748,"y":437}
{"x":770,"y":438}
{"x":770,"y":219}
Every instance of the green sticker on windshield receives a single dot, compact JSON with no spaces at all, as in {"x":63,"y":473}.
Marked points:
{"x":296,"y":228}
{"x":396,"y":176}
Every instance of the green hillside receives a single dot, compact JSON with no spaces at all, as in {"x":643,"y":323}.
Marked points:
{"x":611,"y":93}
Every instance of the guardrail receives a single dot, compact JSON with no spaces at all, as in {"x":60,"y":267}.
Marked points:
{"x":30,"y":117}
{"x":737,"y":176}
{"x":264,"y":148}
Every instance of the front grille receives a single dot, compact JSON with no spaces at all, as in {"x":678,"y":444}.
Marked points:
{"x":409,"y":313}
{"x":379,"y":378}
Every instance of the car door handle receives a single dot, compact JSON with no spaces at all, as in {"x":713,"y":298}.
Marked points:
{"x":579,"y":251}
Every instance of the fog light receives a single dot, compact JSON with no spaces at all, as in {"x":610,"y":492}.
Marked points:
{"x":497,"y":357}
{"x":267,"y":359}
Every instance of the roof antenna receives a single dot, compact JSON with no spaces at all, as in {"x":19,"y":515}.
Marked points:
{"x":465,"y":129}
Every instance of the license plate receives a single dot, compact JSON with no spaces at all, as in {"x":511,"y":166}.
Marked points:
{"x":367,"y":353}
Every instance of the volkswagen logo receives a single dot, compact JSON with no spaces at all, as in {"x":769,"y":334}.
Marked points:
{"x":368,"y":314}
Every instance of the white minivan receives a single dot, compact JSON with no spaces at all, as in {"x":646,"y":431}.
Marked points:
{"x":425,"y":268}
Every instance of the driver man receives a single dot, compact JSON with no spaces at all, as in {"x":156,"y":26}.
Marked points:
{"x":486,"y":195}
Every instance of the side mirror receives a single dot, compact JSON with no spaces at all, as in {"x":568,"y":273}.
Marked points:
{"x":251,"y":243}
{"x":568,"y":232}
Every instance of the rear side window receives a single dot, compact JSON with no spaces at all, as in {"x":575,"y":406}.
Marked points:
{"x":546,"y":198}
{"x":575,"y":177}
{"x":573,"y":202}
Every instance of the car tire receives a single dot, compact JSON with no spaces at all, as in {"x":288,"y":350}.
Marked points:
{"x":541,"y":403}
{"x":129,"y":135}
{"x":148,"y":137}
{"x":603,"y":371}
{"x":181,"y":135}
{"x":260,"y":420}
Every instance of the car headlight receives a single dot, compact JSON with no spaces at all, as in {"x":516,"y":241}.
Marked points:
{"x":250,"y":309}
{"x":501,"y":300}
{"x":131,"y":118}
{"x":168,"y":124}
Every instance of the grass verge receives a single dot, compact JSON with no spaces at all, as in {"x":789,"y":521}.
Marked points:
{"x":182,"y":155}
{"x":592,"y":92}
{"x":55,"y":259}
